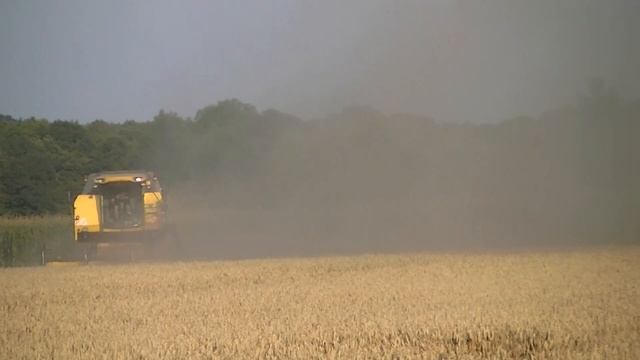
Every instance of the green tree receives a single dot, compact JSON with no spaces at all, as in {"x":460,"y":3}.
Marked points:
{"x":29,"y":176}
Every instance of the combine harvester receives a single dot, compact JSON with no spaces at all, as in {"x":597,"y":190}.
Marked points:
{"x":120,"y":215}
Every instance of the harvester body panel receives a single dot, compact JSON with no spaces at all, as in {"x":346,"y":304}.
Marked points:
{"x":153,"y":210}
{"x":87,"y":214}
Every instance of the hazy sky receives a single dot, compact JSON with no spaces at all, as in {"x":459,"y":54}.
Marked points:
{"x":453,"y":60}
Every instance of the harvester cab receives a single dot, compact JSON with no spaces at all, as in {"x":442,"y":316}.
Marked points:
{"x":118,"y":205}
{"x":120,"y":208}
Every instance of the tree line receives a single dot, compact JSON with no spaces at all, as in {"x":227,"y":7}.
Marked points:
{"x":574,"y":167}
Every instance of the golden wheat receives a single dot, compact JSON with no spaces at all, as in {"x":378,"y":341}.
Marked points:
{"x":562,"y":305}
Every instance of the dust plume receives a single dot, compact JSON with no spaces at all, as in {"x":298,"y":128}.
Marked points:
{"x":255,"y":184}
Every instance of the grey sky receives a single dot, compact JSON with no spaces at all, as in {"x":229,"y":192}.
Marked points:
{"x":452,"y":60}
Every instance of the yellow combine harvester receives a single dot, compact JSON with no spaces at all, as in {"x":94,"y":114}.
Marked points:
{"x":123,"y":210}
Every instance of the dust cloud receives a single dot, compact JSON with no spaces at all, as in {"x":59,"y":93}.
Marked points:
{"x":519,"y":152}
{"x":361,"y":181}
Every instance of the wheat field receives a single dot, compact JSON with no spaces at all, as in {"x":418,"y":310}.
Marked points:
{"x":571,"y":304}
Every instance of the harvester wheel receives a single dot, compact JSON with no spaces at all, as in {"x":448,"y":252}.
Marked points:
{"x":162,"y":246}
{"x":173,"y":242}
{"x":87,"y":252}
